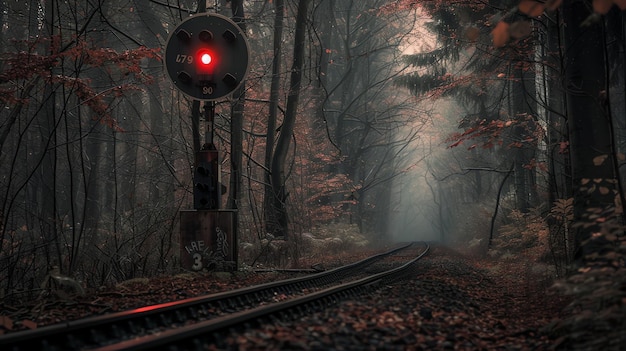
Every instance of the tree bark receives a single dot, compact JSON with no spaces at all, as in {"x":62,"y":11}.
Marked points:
{"x":595,"y":181}
{"x":236,"y":122}
{"x":282,"y":145}
{"x":523,"y":109}
{"x":270,"y":213}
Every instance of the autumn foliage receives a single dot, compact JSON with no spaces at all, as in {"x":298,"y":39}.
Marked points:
{"x":489,"y":133}
{"x":51,"y":62}
{"x":506,"y":30}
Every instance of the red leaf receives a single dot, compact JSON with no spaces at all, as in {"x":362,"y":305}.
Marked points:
{"x":531,"y":8}
{"x":6,"y":323}
{"x":29,"y":324}
{"x":457,"y":143}
{"x":602,"y":6}
{"x":472,"y":34}
{"x":520,"y":29}
{"x":500,"y":34}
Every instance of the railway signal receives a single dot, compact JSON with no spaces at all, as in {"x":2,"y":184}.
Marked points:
{"x":207,"y":56}
{"x":206,"y":195}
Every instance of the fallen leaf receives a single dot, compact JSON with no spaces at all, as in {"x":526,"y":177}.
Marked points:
{"x":6,"y":322}
{"x":29,"y":324}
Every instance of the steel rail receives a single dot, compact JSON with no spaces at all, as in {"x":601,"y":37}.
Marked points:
{"x":94,"y":331}
{"x":198,"y":336}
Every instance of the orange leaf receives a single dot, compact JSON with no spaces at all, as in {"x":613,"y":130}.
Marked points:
{"x":531,"y":8}
{"x":620,"y":3}
{"x":599,"y":160}
{"x":472,"y":34}
{"x":602,"y":6}
{"x":500,"y":34}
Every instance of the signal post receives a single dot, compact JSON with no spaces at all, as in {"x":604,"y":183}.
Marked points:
{"x":207,"y":58}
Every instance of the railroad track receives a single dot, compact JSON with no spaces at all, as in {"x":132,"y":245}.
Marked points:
{"x":196,"y":322}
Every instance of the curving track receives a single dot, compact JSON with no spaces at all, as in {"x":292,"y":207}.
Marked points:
{"x":190,"y":324}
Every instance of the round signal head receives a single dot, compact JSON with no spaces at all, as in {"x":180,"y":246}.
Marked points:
{"x":207,"y":56}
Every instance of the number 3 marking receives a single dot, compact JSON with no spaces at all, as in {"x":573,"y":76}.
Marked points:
{"x":197,"y":262}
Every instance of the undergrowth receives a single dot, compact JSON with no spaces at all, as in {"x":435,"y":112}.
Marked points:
{"x":595,"y":286}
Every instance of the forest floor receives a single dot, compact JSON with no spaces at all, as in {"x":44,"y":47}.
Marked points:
{"x":455,"y":302}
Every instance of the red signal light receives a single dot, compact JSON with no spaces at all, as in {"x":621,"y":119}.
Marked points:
{"x":206,"y":58}
{"x":205,"y":61}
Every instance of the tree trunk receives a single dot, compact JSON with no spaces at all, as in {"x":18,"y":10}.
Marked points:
{"x":282,"y":146}
{"x":46,"y":174}
{"x":559,"y":164}
{"x":595,"y":181}
{"x":522,"y":110}
{"x":236,"y":122}
{"x":270,"y":213}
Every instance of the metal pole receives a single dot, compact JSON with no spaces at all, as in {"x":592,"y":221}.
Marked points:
{"x":209,"y":118}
